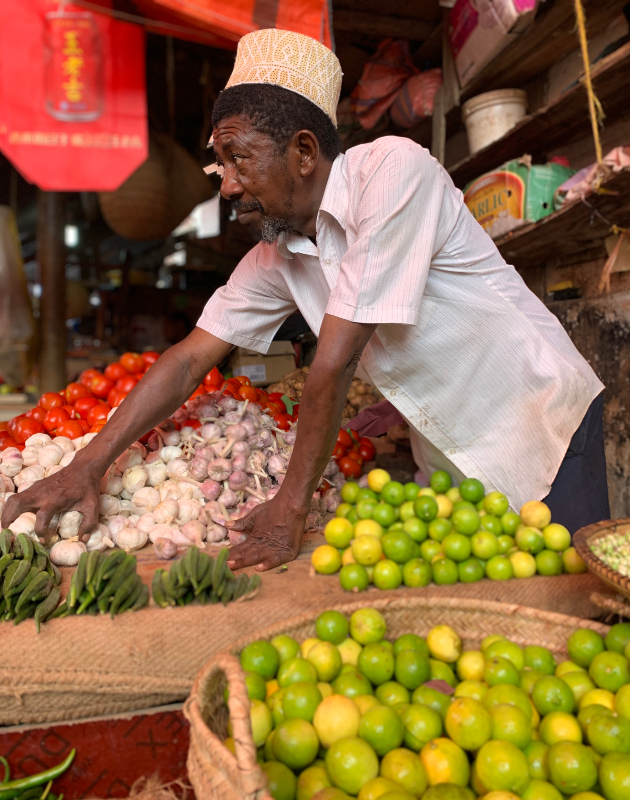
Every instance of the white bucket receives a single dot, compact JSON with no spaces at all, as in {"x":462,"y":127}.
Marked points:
{"x":490,"y":116}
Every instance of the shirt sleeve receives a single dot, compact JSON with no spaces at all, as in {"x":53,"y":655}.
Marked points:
{"x":250,"y":308}
{"x":393,"y":238}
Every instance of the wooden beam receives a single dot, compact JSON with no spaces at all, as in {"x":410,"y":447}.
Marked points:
{"x":377,"y":25}
{"x":50,"y":254}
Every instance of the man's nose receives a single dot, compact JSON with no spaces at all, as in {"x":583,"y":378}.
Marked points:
{"x":231,"y":188}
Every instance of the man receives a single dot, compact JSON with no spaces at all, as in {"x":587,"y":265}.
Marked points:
{"x":378,"y":251}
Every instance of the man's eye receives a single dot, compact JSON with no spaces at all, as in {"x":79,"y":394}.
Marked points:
{"x":237,"y":160}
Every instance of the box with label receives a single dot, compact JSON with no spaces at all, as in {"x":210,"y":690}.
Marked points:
{"x":516,"y":193}
{"x":262,"y":370}
{"x":479,"y":29}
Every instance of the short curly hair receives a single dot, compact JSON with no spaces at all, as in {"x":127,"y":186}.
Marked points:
{"x":279,"y":113}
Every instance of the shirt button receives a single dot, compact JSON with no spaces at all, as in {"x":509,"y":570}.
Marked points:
{"x":327,"y":262}
{"x":392,"y":393}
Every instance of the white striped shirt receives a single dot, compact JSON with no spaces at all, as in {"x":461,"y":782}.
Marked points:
{"x":488,"y":379}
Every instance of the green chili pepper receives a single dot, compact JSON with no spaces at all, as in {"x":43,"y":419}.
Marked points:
{"x":13,"y":789}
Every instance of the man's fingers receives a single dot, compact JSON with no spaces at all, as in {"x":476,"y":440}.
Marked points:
{"x":42,"y":520}
{"x":90,"y":517}
{"x":243,"y":555}
{"x":271,"y":561}
{"x":242,"y":525}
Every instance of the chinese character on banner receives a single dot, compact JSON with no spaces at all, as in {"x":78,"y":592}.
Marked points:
{"x":73,"y":111}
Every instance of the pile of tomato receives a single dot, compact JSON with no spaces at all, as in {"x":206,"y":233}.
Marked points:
{"x":351,"y":453}
{"x":82,"y":407}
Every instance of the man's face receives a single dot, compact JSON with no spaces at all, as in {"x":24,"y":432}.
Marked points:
{"x":256,"y":178}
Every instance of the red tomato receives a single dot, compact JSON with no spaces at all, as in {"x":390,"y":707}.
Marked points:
{"x":27,"y":428}
{"x":214,"y":378}
{"x":54,"y":418}
{"x":350,"y":468}
{"x":344,"y":437}
{"x":36,"y":413}
{"x":277,"y":406}
{"x":120,"y":398}
{"x":97,"y":413}
{"x":84,"y":404}
{"x":353,"y":454}
{"x":367,"y":450}
{"x":101,"y":387}
{"x":51,"y":400}
{"x":76,"y":390}
{"x":339,"y":451}
{"x":4,"y":434}
{"x":248,"y":393}
{"x":191,"y":423}
{"x":4,"y":426}
{"x":296,"y":410}
{"x":11,"y":426}
{"x":72,"y":428}
{"x":275,"y":396}
{"x":71,"y":412}
{"x":150,"y":357}
{"x":243,"y":380}
{"x":8,"y":442}
{"x":132,"y":362}
{"x":87,"y":375}
{"x":97,"y":428}
{"x":282,"y":421}
{"x":115,"y":371}
{"x":127,"y":383}
{"x":84,"y":425}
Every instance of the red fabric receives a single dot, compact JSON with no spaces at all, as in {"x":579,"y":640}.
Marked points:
{"x":376,"y":420}
{"x":414,"y":101}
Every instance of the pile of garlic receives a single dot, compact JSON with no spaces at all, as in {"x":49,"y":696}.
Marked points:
{"x":177,"y":493}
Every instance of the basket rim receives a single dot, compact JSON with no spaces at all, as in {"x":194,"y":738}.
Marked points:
{"x":605,"y":573}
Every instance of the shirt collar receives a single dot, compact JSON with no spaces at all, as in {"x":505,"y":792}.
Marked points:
{"x":290,"y":242}
{"x":335,"y":199}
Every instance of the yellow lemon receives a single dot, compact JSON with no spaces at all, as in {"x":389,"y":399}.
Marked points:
{"x":368,"y":527}
{"x":535,"y":514}
{"x":326,"y":559}
{"x":444,"y":644}
{"x":336,"y":717}
{"x":598,"y":697}
{"x":445,"y":507}
{"x":307,"y":644}
{"x":347,"y":557}
{"x":470,"y":665}
{"x":377,"y":478}
{"x":349,"y":651}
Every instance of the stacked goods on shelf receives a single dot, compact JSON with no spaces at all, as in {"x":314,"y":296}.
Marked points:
{"x":390,"y":535}
{"x":348,"y":713}
{"x":360,"y":395}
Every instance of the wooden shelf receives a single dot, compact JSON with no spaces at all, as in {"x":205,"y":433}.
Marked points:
{"x":572,"y":230}
{"x":559,"y":123}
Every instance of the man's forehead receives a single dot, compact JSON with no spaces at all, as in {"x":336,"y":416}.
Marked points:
{"x":233,"y":129}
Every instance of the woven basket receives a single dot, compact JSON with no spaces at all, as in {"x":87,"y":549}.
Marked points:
{"x":582,"y":542}
{"x":215,"y":772}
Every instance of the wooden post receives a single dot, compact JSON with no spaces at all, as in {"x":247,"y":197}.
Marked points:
{"x":51,"y":257}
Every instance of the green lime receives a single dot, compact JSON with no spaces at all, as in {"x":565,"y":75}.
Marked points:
{"x":430,"y":549}
{"x":441,"y":481}
{"x":529,"y":677}
{"x":618,"y":637}
{"x":502,"y":767}
{"x":470,"y":571}
{"x":587,"y":713}
{"x":583,"y":645}
{"x":396,"y":526}
{"x":466,"y":521}
{"x":367,"y":625}
{"x":411,"y":641}
{"x":353,"y":578}
{"x":412,"y":669}
{"x":506,"y":693}
{"x":376,"y":662}
{"x":422,"y":724}
{"x":571,"y":767}
{"x":382,"y":728}
{"x":444,"y":572}
{"x":351,"y":763}
{"x":312,"y":780}
{"x":398,"y":546}
{"x":506,"y":649}
{"x":509,"y":724}
{"x":343,"y":509}
{"x":468,"y":723}
{"x":472,"y":490}
{"x":548,"y":562}
{"x":260,"y":657}
{"x":510,"y":523}
{"x":499,"y":670}
{"x":365,"y":508}
{"x":505,"y":543}
{"x":417,"y":572}
{"x":541,"y":790}
{"x":387,"y":575}
{"x":484,"y":545}
{"x":274,"y":703}
{"x":492,"y":524}
{"x":281,"y":782}
{"x":425,"y":507}
{"x":552,"y":694}
{"x":367,"y":494}
{"x":352,"y":516}
{"x":539,"y":658}
{"x":406,"y":511}
{"x":331,"y":626}
{"x":610,"y":671}
{"x":416,"y":528}
{"x":393,"y":493}
{"x":609,"y":734}
{"x":405,"y":768}
{"x":295,"y":670}
{"x":439,"y":528}
{"x":496,"y":503}
{"x":384,"y":514}
{"x":536,"y":754}
{"x":529,"y":540}
{"x":442,"y":672}
{"x":456,"y":546}
{"x":256,"y":686}
{"x":352,"y":684}
{"x":614,"y":776}
{"x":350,"y":492}
{"x":286,"y":646}
{"x":428,"y":696}
{"x":299,"y":701}
{"x":295,"y":743}
{"x":499,"y":568}
{"x":411,"y":491}
{"x":326,"y":659}
{"x":391,"y":693}
{"x":338,"y":532}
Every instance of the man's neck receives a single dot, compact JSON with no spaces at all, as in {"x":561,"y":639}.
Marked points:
{"x":315,"y":191}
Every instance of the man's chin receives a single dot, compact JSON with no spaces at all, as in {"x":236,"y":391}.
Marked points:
{"x":272,"y":227}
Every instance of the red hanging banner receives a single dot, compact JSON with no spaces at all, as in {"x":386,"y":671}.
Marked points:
{"x":73,"y":113}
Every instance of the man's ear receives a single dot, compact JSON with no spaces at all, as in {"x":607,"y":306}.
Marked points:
{"x":306,"y":148}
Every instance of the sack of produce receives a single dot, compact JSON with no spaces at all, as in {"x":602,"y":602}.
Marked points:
{"x":414,"y":101}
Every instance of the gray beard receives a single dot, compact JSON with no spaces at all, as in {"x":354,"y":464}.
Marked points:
{"x":272,"y":227}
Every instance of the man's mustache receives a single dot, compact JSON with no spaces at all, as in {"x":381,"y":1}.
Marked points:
{"x":246,"y":206}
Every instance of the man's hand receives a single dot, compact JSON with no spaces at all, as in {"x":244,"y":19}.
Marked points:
{"x":274,"y":535}
{"x":72,"y":489}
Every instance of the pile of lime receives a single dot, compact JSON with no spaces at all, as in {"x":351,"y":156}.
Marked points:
{"x":388,"y":534}
{"x":350,"y":713}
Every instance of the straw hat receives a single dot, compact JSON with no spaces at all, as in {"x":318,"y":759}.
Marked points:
{"x":293,"y":61}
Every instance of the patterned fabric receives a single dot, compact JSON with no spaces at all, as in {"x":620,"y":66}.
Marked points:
{"x":485,"y":374}
{"x":293,"y":61}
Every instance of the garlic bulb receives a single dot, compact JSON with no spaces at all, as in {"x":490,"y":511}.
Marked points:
{"x":37,"y":440}
{"x":6,"y":485}
{"x":11,"y":462}
{"x":166,"y":511}
{"x":125,"y":508}
{"x":53,"y":470}
{"x":210,"y":431}
{"x":228,"y":498}
{"x":125,"y":495}
{"x":29,"y":475}
{"x":152,"y":457}
{"x":69,"y":524}
{"x":67,"y":554}
{"x":157,"y":472}
{"x":134,"y":479}
{"x":195,"y":532}
{"x":24,"y":486}
{"x":210,"y":489}
{"x":145,"y":499}
{"x":170,"y":437}
{"x":130,"y":458}
{"x":164,"y":531}
{"x":108,"y":506}
{"x":146,"y":523}
{"x":2,"y":504}
{"x":25,"y":523}
{"x":164,"y":548}
{"x":30,"y":455}
{"x":65,"y":443}
{"x":170,"y":489}
{"x":99,"y":539}
{"x":188,"y":510}
{"x":49,"y":455}
{"x":178,"y":467}
{"x":111,"y":483}
{"x":216,"y":533}
{"x":67,"y":459}
{"x":170,"y":452}
{"x":131,"y":539}
{"x":114,"y":525}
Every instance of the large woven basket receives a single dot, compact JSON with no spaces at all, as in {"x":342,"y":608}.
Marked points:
{"x":582,"y":542}
{"x":215,"y":772}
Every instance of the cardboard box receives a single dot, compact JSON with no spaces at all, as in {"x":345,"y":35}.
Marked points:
{"x":479,"y":29}
{"x":262,"y":370}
